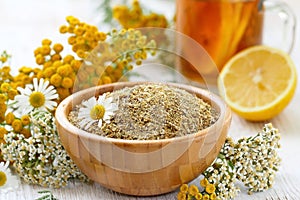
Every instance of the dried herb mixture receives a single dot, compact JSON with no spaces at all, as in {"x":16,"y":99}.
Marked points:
{"x":153,"y":112}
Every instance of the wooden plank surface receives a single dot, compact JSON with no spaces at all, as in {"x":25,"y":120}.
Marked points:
{"x":22,"y":30}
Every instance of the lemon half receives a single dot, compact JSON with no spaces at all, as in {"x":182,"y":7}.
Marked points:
{"x":258,"y":82}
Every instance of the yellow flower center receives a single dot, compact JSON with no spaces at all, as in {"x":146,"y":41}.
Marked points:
{"x":37,"y":99}
{"x":97,"y":112}
{"x":210,"y":188}
{"x":3,"y":178}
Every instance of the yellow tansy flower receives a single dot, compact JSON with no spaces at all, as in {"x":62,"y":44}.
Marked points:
{"x":3,"y":131}
{"x":46,"y":42}
{"x":106,"y":80}
{"x":193,"y":190}
{"x":210,"y":188}
{"x":11,"y":94}
{"x":5,"y":87}
{"x":25,"y":70}
{"x":56,"y":80}
{"x":3,"y":98}
{"x":55,"y":57}
{"x":26,"y":132}
{"x":213,"y":196}
{"x":184,"y":188}
{"x":3,"y":108}
{"x":63,"y":29}
{"x":25,"y":119}
{"x":45,"y":50}
{"x":58,"y":47}
{"x":181,"y":196}
{"x":64,"y":70}
{"x":68,"y":59}
{"x":39,"y":59}
{"x":204,"y":182}
{"x":198,"y":196}
{"x":205,"y":197}
{"x":17,"y":125}
{"x":67,"y":82}
{"x":48,"y":72}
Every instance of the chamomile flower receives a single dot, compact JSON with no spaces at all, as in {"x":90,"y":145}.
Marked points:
{"x":37,"y":96}
{"x":96,"y":110}
{"x":8,"y":182}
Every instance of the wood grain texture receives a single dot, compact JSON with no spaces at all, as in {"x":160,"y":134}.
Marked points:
{"x":142,"y":168}
{"x":44,"y":22}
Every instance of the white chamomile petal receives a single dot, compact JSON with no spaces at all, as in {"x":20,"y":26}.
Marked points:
{"x":96,"y":110}
{"x":45,"y":94}
{"x":100,"y":123}
{"x":90,"y":102}
{"x":35,"y":84}
{"x":101,"y":98}
{"x":109,"y":100}
{"x":40,"y":85}
{"x":8,"y":182}
{"x":89,"y":123}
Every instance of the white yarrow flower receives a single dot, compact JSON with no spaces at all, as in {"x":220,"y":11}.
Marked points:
{"x":8,"y":182}
{"x":37,"y":96}
{"x":96,"y":110}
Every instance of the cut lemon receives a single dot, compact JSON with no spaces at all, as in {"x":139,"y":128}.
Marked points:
{"x":258,"y":83}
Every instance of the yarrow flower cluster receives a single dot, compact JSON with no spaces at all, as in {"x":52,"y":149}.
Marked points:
{"x":253,"y":161}
{"x":256,"y":159}
{"x":40,"y":159}
{"x":113,"y":58}
{"x":110,"y":53}
{"x":135,"y":18}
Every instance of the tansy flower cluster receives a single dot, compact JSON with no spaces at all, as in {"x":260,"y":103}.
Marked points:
{"x":83,"y":37}
{"x":207,"y":191}
{"x":111,"y":55}
{"x":150,"y":23}
{"x":12,"y":82}
{"x":112,"y":59}
{"x":60,"y":71}
{"x":135,"y":18}
{"x":28,"y":136}
{"x":253,"y":161}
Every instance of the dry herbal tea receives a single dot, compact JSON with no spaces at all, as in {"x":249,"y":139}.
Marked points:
{"x":152,"y":112}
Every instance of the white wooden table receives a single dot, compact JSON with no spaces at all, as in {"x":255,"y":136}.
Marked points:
{"x":22,"y":29}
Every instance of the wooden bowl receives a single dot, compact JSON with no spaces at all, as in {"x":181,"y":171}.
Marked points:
{"x":142,"y":167}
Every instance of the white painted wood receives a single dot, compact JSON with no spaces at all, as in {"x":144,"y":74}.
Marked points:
{"x":21,"y":30}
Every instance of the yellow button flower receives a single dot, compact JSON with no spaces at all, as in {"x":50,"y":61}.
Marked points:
{"x":210,"y":188}
{"x":17,"y":125}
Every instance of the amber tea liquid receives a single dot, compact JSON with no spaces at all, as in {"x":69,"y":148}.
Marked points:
{"x":222,"y":27}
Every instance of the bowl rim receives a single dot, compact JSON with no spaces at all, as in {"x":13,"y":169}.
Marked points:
{"x":61,"y":117}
